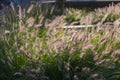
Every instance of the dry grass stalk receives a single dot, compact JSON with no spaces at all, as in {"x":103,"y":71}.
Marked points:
{"x":30,"y":22}
{"x":30,"y":8}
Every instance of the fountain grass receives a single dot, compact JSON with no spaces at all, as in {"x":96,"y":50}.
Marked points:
{"x":30,"y":50}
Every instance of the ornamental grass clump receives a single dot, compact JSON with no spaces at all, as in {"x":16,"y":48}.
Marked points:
{"x":34,"y":46}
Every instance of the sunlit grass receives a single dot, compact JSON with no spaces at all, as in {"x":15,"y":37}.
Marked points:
{"x":31,"y":50}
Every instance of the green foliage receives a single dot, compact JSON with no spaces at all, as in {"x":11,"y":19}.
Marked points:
{"x":96,"y":39}
{"x":36,"y":51}
{"x":70,"y":17}
{"x":116,"y":45}
{"x":10,"y":61}
{"x":113,"y":17}
{"x":42,"y":32}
